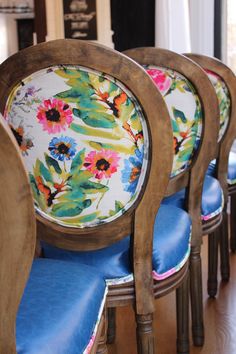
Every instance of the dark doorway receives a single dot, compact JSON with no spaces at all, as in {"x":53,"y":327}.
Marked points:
{"x":218,"y":29}
{"x":25,"y":29}
{"x":133,"y":23}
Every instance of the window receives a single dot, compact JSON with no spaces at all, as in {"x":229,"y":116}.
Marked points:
{"x":231,"y":34}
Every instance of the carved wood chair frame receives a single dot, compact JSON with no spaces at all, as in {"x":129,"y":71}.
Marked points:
{"x":222,"y":156}
{"x":192,"y":179}
{"x":139,"y":219}
{"x":18,"y":240}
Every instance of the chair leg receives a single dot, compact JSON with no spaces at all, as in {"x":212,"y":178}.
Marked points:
{"x":182,"y":312}
{"x":233,"y":222}
{"x":144,"y":334}
{"x":196,"y":296}
{"x":102,"y":346}
{"x":224,"y":248}
{"x":111,"y":330}
{"x":213,"y":242}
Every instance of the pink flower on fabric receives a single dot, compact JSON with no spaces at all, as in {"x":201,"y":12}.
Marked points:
{"x":162,"y":81}
{"x":102,"y":163}
{"x":54,"y":115}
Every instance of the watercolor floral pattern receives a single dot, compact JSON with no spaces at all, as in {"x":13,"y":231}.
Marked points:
{"x":54,"y":115}
{"x":84,"y":141}
{"x":62,"y":148}
{"x":185,"y":111}
{"x":223,"y":97}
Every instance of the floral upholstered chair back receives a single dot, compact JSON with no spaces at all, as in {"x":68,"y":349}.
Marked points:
{"x":224,"y":83}
{"x":224,"y":101}
{"x":84,"y":140}
{"x":193,"y":109}
{"x":185,"y":111}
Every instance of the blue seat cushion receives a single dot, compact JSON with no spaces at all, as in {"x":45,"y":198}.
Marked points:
{"x":60,"y":308}
{"x":171,"y":248}
{"x":212,"y":198}
{"x":231,"y":177}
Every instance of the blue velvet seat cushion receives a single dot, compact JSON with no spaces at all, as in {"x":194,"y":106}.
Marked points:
{"x":171,"y":247}
{"x":212,"y":198}
{"x":60,"y":308}
{"x":231,"y":178}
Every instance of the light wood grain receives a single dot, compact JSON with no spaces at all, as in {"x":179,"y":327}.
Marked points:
{"x":17,"y":235}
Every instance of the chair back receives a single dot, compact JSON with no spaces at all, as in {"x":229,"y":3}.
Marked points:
{"x":193,"y":109}
{"x":224,"y":82}
{"x":97,"y":146}
{"x":17,"y":233}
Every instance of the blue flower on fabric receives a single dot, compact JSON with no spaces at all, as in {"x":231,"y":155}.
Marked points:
{"x":131,"y":171}
{"x":63,"y":148}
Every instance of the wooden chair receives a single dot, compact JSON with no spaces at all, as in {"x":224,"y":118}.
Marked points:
{"x":195,"y":134}
{"x":98,"y":149}
{"x":48,"y":308}
{"x":224,"y":82}
{"x":184,"y":173}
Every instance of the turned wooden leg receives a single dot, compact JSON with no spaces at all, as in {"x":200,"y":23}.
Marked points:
{"x":196,"y":296}
{"x":102,"y":347}
{"x":111,"y":330}
{"x":182,"y":313}
{"x":213,"y":242}
{"x":233,"y":222}
{"x":144,"y":333}
{"x":224,"y":248}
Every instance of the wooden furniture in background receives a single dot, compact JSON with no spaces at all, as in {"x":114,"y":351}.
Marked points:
{"x":192,"y":177}
{"x":224,"y":82}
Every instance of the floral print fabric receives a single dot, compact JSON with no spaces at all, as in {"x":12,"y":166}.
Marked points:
{"x":185,"y":111}
{"x":223,"y":97}
{"x":84,"y":140}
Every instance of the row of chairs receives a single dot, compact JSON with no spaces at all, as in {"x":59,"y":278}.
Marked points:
{"x":125,"y":179}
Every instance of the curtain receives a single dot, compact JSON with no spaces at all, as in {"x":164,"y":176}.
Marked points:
{"x":172,"y":29}
{"x":202,"y":26}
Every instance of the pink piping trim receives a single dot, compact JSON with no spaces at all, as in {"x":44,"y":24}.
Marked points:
{"x":216,"y":212}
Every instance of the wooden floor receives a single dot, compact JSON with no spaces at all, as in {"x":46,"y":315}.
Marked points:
{"x":220,"y":320}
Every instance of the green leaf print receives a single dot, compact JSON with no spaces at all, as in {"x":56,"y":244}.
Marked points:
{"x":74,"y":195}
{"x":95,"y":132}
{"x":41,"y":170}
{"x":128,"y":150}
{"x":118,"y":206}
{"x":68,"y":73}
{"x":70,"y":209}
{"x":179,"y":114}
{"x":53,"y":163}
{"x":83,"y":219}
{"x":98,"y":119}
{"x":78,"y":161}
{"x":69,"y":96}
{"x":93,"y":187}
{"x":175,"y":126}
{"x":77,"y":178}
